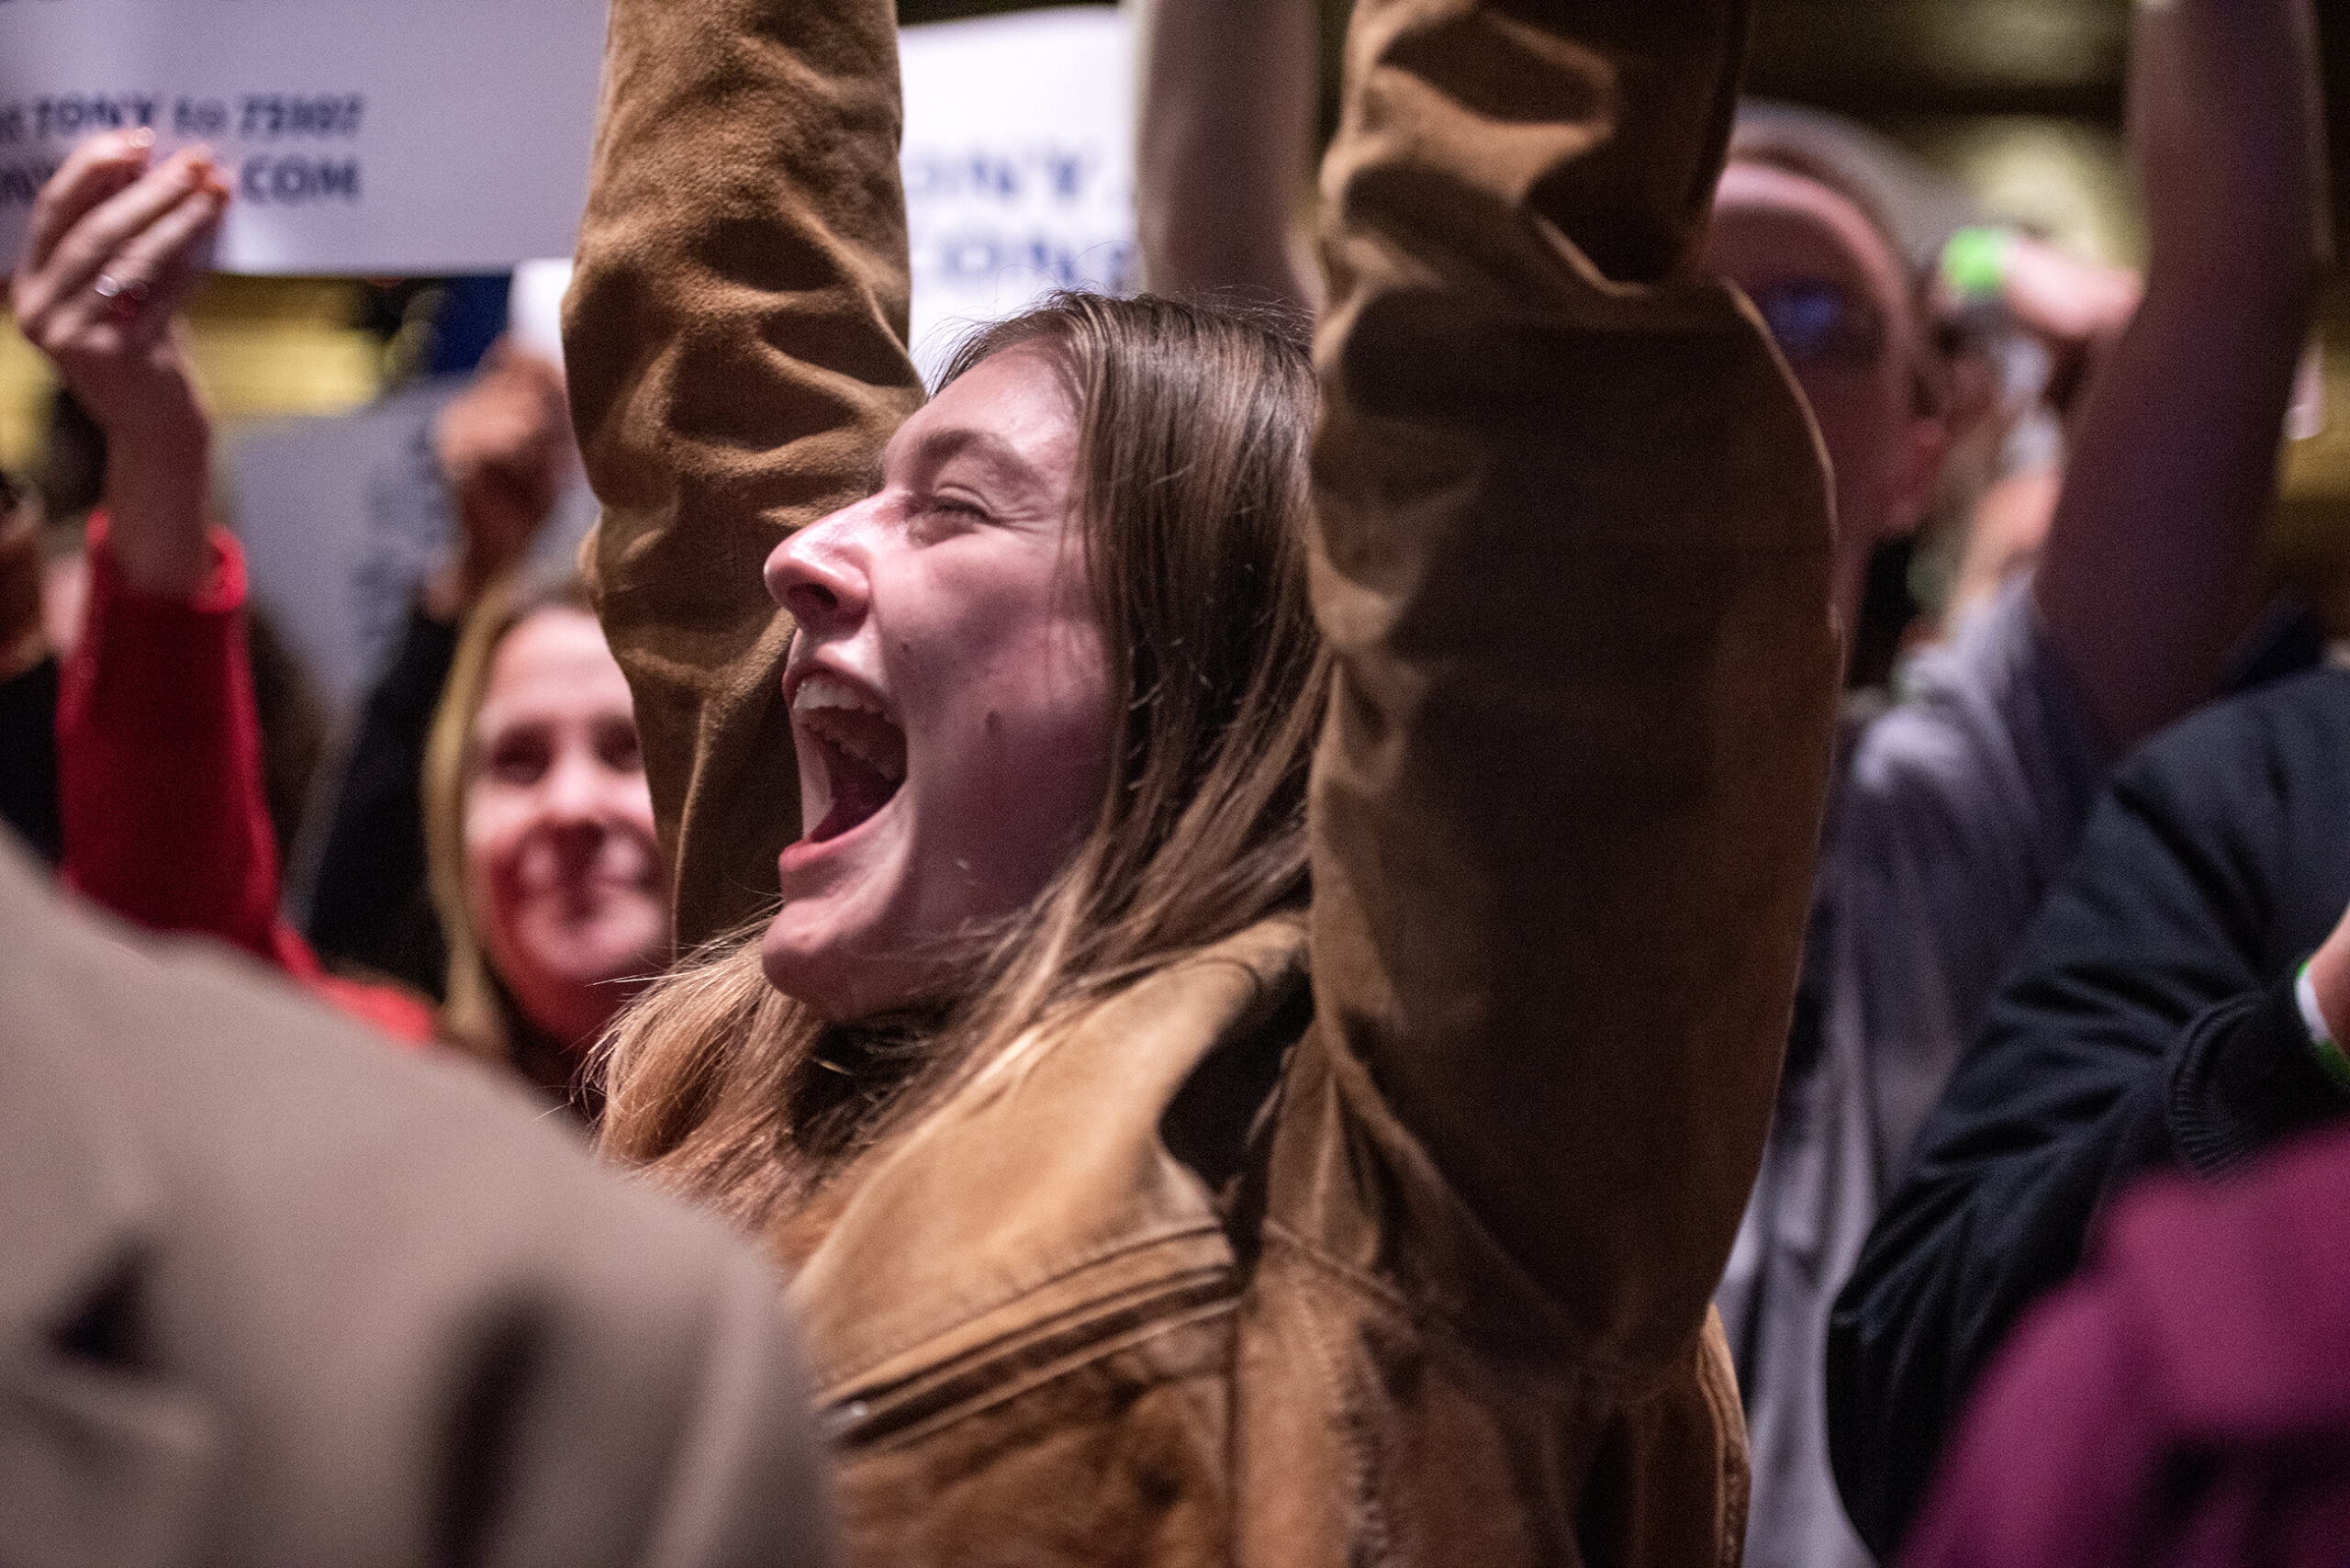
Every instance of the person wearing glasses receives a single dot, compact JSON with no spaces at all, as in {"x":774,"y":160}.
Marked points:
{"x":1954,"y":808}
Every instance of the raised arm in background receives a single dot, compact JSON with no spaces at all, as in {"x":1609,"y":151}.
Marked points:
{"x":112,"y":250}
{"x":502,"y":447}
{"x":159,"y":764}
{"x":2144,"y":579}
{"x":1226,"y":148}
{"x":1573,"y":555}
{"x":735,"y":338}
{"x":165,"y":819}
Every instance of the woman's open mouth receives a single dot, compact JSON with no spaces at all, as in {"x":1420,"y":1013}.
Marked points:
{"x":863,"y":753}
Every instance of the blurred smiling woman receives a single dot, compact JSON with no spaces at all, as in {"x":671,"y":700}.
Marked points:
{"x":544,"y":870}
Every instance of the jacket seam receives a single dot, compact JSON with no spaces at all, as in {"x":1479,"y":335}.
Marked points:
{"x":847,"y":1417}
{"x":829,"y":1376}
{"x":1579,"y":1369}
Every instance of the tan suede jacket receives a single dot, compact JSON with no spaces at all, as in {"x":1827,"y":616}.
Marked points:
{"x":1384,"y":1235}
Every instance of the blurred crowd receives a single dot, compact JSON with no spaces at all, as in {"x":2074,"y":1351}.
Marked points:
{"x":2005,"y":1146}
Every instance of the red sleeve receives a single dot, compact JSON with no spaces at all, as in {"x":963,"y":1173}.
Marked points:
{"x":158,"y":776}
{"x":159,"y":757}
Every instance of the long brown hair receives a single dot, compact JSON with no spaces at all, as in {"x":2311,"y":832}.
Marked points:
{"x":1190,"y":494}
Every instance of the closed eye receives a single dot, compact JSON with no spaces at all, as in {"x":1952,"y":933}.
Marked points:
{"x":939,"y":517}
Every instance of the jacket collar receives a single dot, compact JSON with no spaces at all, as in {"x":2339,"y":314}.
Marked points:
{"x":1044,"y":1186}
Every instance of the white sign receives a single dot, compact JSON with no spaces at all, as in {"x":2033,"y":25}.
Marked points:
{"x":451,"y":136}
{"x":1019,"y":163}
{"x":427,"y":137}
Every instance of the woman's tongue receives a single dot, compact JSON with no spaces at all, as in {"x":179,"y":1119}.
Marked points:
{"x":864,"y":761}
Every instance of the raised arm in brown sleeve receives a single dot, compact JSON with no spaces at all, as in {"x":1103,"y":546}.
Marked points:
{"x":735,"y":343}
{"x":1573,"y":552}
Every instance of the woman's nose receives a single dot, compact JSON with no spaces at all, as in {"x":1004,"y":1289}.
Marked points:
{"x":577,"y":790}
{"x":818,"y":574}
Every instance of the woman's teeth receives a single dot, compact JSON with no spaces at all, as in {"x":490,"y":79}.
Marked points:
{"x":821,"y":690}
{"x":852,"y":722}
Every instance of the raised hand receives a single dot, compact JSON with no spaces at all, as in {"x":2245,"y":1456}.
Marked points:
{"x":116,"y":243}
{"x":505,"y":449}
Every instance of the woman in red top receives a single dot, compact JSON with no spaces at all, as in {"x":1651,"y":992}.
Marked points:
{"x":159,"y":742}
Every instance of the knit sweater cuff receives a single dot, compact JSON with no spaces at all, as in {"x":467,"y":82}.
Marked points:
{"x":2243,"y":1077}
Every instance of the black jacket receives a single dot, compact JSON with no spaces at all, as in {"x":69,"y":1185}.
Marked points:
{"x":2147,"y":1019}
{"x":29,"y":759}
{"x":370,"y":903}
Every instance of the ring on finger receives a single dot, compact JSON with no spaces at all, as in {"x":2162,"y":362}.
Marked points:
{"x":126,"y":296}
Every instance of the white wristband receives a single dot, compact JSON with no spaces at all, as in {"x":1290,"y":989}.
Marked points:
{"x":2312,"y":1017}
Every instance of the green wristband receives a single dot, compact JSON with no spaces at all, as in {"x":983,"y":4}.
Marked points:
{"x":1975,"y":262}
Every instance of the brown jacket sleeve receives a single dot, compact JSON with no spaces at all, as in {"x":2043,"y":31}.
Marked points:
{"x":1573,"y":552}
{"x":736,"y":341}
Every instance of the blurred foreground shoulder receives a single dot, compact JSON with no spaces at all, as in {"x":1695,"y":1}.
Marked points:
{"x":275,"y":1293}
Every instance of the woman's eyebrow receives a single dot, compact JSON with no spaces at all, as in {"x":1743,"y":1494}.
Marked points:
{"x":939,"y":447}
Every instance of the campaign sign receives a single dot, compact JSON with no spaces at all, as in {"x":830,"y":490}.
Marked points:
{"x":429,"y":137}
{"x":441,"y":136}
{"x":1019,"y":163}
{"x":451,"y":136}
